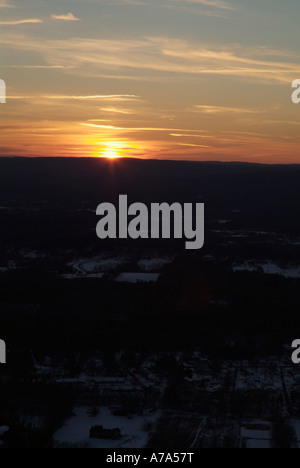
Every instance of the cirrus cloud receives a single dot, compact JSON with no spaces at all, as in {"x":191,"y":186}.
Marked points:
{"x":68,"y":17}
{"x":211,"y":3}
{"x":23,"y":21}
{"x":89,"y":57}
{"x":220,"y":109}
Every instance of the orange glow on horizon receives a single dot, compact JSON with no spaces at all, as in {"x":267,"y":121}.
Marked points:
{"x":210,"y":143}
{"x":115,"y":149}
{"x":110,"y":154}
{"x":111,"y":150}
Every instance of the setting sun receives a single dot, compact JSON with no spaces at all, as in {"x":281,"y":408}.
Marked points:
{"x":116,"y":149}
{"x":111,"y":150}
{"x":110,"y":154}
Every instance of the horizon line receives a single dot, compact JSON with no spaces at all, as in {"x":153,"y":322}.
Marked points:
{"x":115,"y":161}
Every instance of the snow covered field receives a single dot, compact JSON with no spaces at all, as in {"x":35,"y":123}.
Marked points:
{"x":257,"y":434}
{"x":150,"y":264}
{"x":76,"y":429}
{"x":96,"y":267}
{"x":138,"y":277}
{"x":258,"y":379}
{"x":296,"y":424}
{"x":269,"y":269}
{"x":3,"y":430}
{"x":87,"y":266}
{"x":91,"y":275}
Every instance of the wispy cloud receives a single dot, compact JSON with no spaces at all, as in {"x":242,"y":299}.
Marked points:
{"x":64,"y":101}
{"x":210,"y":3}
{"x":136,"y":129}
{"x":221,"y":110}
{"x":188,"y":135}
{"x":68,"y":17}
{"x":103,"y":127}
{"x":160,"y":55}
{"x":134,"y":2}
{"x":191,"y":145}
{"x":116,"y":110}
{"x":37,"y":67}
{"x":97,"y":97}
{"x":23,"y":21}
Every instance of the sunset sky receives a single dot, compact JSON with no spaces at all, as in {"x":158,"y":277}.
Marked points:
{"x":169,"y":79}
